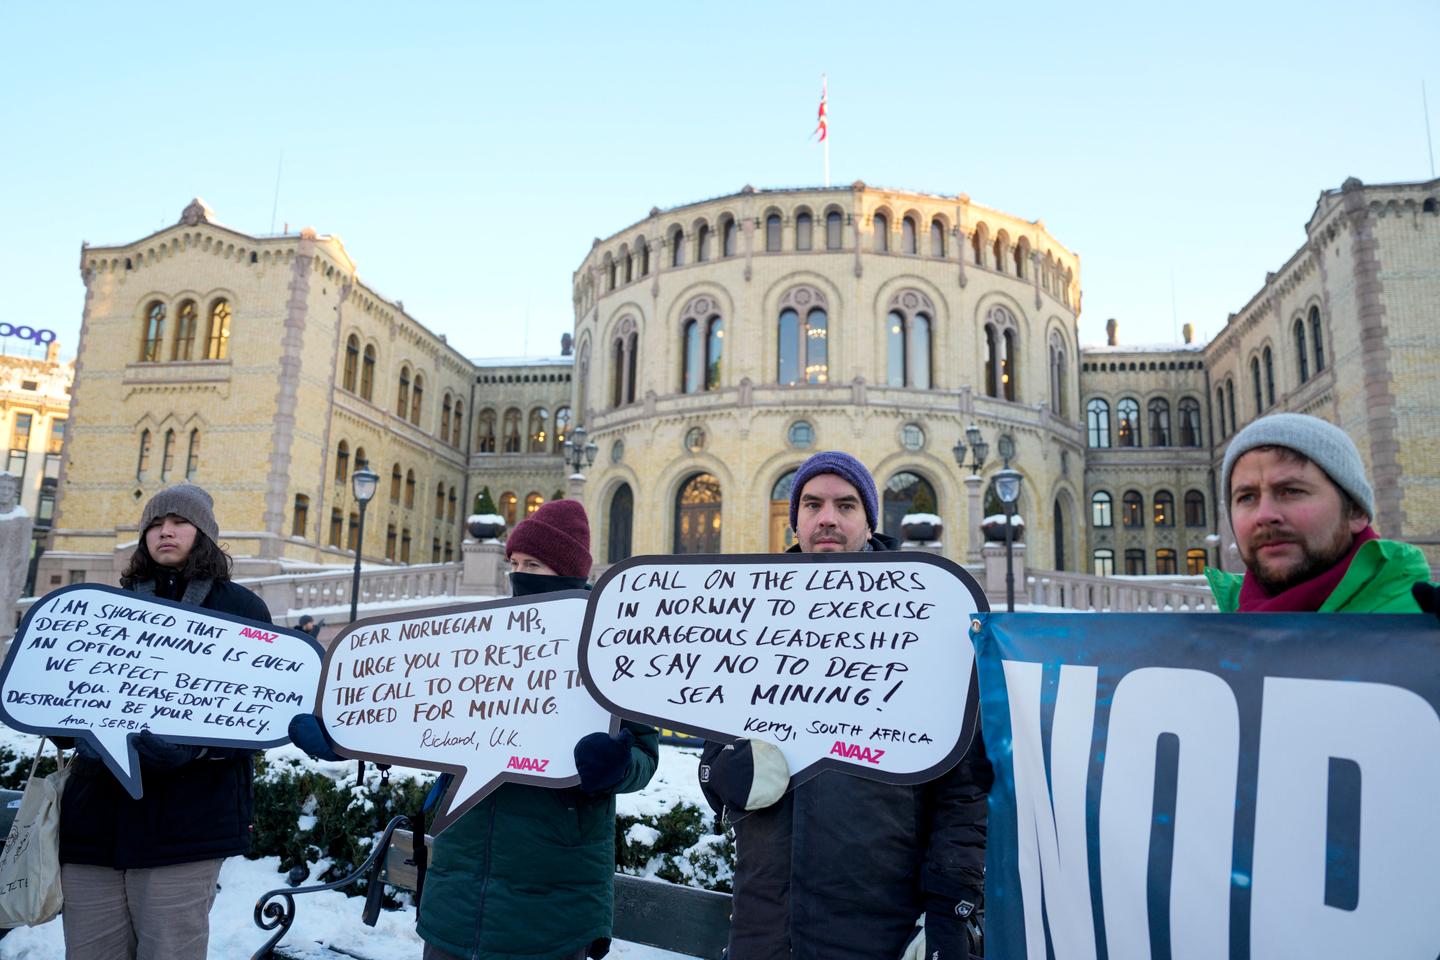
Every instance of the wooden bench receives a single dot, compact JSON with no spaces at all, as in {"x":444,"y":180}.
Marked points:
{"x":684,"y":920}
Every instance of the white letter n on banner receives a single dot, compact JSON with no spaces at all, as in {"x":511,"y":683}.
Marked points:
{"x":1053,"y":848}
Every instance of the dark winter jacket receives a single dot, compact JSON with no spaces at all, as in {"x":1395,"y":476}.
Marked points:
{"x":200,"y":810}
{"x":528,"y":872}
{"x":841,"y":867}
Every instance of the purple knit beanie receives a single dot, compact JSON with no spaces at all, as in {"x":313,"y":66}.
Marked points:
{"x":558,"y":535}
{"x":846,"y":468}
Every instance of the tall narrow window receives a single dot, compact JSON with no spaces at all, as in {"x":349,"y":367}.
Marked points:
{"x":300,"y":517}
{"x":1097,"y":422}
{"x":1220,"y":410}
{"x":390,"y":541}
{"x":1194,"y":508}
{"x":702,"y":243}
{"x":697,"y":515}
{"x":789,"y":347}
{"x":895,"y":342}
{"x":1301,"y":354}
{"x":352,"y":362}
{"x":992,"y":361}
{"x":772,"y":233}
{"x":627,"y":263}
{"x":539,"y":429}
{"x":337,"y":526}
{"x":907,"y":236}
{"x":1057,"y":375}
{"x":1255,"y":382}
{"x":1164,"y":506}
{"x":804,"y":231}
{"x":1189,"y":422}
{"x":643,"y":251}
{"x":677,"y":249}
{"x":405,"y":545}
{"x":445,"y":419}
{"x":918,"y":363}
{"x":509,"y":504}
{"x":714,"y":349}
{"x":694,"y":361}
{"x":1316,"y":339}
{"x":409,"y":489}
{"x":1101,"y":505}
{"x":367,"y":375}
{"x":397,"y":480}
{"x":1132,"y":513}
{"x":154,"y":332}
{"x":1230,"y":404}
{"x":1010,"y":366}
{"x":439,"y":500}
{"x":617,"y":371}
{"x":167,"y":455}
{"x":342,"y":462}
{"x":833,"y":224}
{"x":402,"y":394}
{"x":417,"y":396}
{"x":563,"y":419}
{"x":217,"y":343}
{"x":457,"y":436}
{"x":621,"y":523}
{"x":999,"y":252}
{"x":1102,"y":562}
{"x":512,"y":430}
{"x":185,"y":331}
{"x":1127,"y":415}
{"x":880,"y":225}
{"x":192,"y":458}
{"x":728,"y":232}
{"x":1159,"y":422}
{"x":1022,"y":253}
{"x":142,"y":464}
{"x":485,"y":432}
{"x":977,"y":248}
{"x":908,"y":336}
{"x":1134,"y":562}
{"x":450,"y":500}
{"x":937,"y":238}
{"x":1269,"y":378}
{"x":632,"y":352}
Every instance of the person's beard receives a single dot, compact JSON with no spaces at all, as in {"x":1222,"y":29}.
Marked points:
{"x":1314,"y":560}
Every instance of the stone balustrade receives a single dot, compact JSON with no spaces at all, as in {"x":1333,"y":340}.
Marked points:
{"x":1086,"y":592}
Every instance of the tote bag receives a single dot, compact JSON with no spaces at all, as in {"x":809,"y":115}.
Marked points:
{"x":30,"y":863}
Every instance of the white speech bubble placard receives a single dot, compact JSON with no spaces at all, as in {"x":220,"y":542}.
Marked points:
{"x":487,"y":691}
{"x":859,"y":661}
{"x":102,"y":665}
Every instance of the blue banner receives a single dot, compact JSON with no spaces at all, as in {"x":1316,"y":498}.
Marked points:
{"x":1192,"y":786}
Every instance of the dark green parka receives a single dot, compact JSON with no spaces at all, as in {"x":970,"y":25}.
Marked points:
{"x":528,"y":873}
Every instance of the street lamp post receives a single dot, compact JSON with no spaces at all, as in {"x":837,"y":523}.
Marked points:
{"x":363,"y":483}
{"x":979,"y":451}
{"x":1007,"y":488}
{"x":578,"y":455}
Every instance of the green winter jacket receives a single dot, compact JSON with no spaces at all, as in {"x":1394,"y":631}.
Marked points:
{"x":1378,"y":581}
{"x":528,"y":873}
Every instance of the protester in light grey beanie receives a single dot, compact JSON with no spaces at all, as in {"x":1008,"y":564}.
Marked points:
{"x":183,"y":500}
{"x":1329,"y":447}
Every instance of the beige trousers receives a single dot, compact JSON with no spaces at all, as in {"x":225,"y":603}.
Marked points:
{"x":159,"y":913}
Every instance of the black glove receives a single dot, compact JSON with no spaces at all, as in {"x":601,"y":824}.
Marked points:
{"x":1428,"y":596}
{"x":307,"y":734}
{"x":158,"y":754}
{"x":945,"y":935}
{"x":602,"y":760}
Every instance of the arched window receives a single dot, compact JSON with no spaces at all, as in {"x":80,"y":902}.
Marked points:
{"x":1164,"y":506}
{"x":485,"y":432}
{"x":192,"y":459}
{"x":702,"y":243}
{"x":781,"y":536}
{"x":409,"y":489}
{"x":1159,"y":409}
{"x":903,"y":494}
{"x":352,"y":362}
{"x":1057,"y":375}
{"x":533,"y":502}
{"x":417,"y":396}
{"x":1230,"y":404}
{"x":511,"y":431}
{"x":977,"y":248}
{"x":1269,"y":378}
{"x":1316,"y":339}
{"x":337,"y":526}
{"x":620,"y":524}
{"x":1194,"y":508}
{"x":1189,"y":409}
{"x":677,"y":248}
{"x":217,"y":344}
{"x":1101,"y":507}
{"x":154,"y":332}
{"x":642,"y":250}
{"x":703,"y":346}
{"x":1220,"y":410}
{"x":1255,"y":382}
{"x":833,"y":236}
{"x":772,"y":233}
{"x":623,"y":363}
{"x":697,"y":515}
{"x":439,"y":500}
{"x":402,"y":394}
{"x":1057,"y":522}
{"x":803,"y":332}
{"x":632,"y":352}
{"x":1127,"y":416}
{"x":301,"y":515}
{"x":1001,"y":354}
{"x":992,"y":361}
{"x":937,"y":238}
{"x":451,"y":499}
{"x":1134,"y":562}
{"x":360,"y":460}
{"x":185,"y":325}
{"x":1195,"y":562}
{"x":627,"y":273}
{"x":804,"y":231}
{"x":1132,"y":509}
{"x":880,"y":224}
{"x":405,"y":545}
{"x":342,"y":462}
{"x":167,"y":455}
{"x":390,"y":541}
{"x":1097,"y":422}
{"x":1165,"y":562}
{"x":999,"y":252}
{"x":1010,"y":366}
{"x":539,"y":429}
{"x":1301,"y":354}
{"x":563,"y":418}
{"x":445,"y":419}
{"x":1021,"y":253}
{"x":509,"y":504}
{"x":1102,"y":562}
{"x":367,"y":374}
{"x":908,"y":325}
{"x":907,"y":236}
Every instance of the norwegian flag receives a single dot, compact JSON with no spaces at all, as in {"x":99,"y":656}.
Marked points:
{"x":822,"y":127}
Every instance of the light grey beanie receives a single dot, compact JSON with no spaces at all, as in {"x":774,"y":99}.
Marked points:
{"x":1327,"y":445}
{"x":184,"y":500}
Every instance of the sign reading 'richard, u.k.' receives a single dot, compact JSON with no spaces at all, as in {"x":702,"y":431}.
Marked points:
{"x":1244,"y":786}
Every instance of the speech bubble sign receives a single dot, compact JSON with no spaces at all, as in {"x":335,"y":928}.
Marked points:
{"x":859,"y":662}
{"x":102,"y":665}
{"x":487,"y":691}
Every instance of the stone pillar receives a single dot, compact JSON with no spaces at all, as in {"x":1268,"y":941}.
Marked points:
{"x":994,"y":553}
{"x":973,"y":483}
{"x":575,"y":487}
{"x":16,"y":527}
{"x":483,"y":573}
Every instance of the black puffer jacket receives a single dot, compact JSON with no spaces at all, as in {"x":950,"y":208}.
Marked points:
{"x":840,"y":868}
{"x":198,"y":811}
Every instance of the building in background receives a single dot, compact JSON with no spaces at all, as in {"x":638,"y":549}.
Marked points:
{"x":35,"y":389}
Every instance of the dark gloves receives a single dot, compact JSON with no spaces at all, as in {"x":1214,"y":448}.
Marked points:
{"x":747,"y":774}
{"x":307,"y":734}
{"x":946,"y":936}
{"x":1428,"y":596}
{"x":158,"y":754}
{"x":602,"y":760}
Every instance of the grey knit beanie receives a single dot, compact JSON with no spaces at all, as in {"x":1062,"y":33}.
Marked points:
{"x":1327,"y":445}
{"x":184,"y":500}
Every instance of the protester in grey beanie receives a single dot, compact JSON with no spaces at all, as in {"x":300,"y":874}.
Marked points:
{"x":186,"y":500}
{"x":1325,"y":444}
{"x":846,"y":467}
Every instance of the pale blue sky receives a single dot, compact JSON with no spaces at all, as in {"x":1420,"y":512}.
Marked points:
{"x":468,"y":153}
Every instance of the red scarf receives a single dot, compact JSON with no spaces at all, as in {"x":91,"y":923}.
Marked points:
{"x":1304,"y":597}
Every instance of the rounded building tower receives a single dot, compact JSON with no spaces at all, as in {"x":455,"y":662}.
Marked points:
{"x":719,"y":344}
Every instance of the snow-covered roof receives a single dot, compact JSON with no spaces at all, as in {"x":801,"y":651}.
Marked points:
{"x":564,"y":361}
{"x":1143,"y":348}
